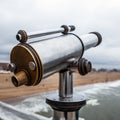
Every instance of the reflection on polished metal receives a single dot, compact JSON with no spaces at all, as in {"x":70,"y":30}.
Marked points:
{"x":66,"y":115}
{"x":65,"y":84}
{"x":22,"y":35}
{"x":51,"y":55}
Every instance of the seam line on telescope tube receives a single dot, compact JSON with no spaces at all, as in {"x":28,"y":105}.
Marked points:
{"x":83,"y":48}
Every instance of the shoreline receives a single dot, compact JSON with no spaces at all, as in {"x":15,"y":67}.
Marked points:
{"x":9,"y":92}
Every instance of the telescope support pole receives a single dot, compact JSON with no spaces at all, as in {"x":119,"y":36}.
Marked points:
{"x":65,"y":91}
{"x":65,"y":84}
{"x":66,"y":105}
{"x":57,"y":115}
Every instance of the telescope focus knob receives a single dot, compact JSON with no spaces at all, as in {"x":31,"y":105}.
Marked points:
{"x":84,"y":66}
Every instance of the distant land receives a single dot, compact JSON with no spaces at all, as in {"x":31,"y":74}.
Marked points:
{"x":107,"y":66}
{"x":9,"y":92}
{"x":93,"y":69}
{"x":106,"y":70}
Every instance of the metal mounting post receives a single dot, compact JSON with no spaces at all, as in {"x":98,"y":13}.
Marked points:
{"x":65,"y":84}
{"x":66,"y":105}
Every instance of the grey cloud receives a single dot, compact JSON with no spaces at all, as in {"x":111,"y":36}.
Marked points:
{"x":102,"y":16}
{"x":109,"y":56}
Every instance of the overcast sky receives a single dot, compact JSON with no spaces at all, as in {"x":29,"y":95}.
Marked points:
{"x":87,"y":15}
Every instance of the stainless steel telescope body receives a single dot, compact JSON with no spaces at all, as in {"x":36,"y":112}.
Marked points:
{"x":55,"y":53}
{"x":37,"y":60}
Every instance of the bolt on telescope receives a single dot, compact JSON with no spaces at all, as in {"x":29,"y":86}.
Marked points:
{"x":39,"y":59}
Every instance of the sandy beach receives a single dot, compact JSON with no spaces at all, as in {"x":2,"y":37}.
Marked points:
{"x":8,"y":91}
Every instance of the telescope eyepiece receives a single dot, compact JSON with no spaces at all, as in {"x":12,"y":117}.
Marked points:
{"x":15,"y":81}
{"x":20,"y":78}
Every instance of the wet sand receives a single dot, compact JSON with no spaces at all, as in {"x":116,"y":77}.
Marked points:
{"x":9,"y":92}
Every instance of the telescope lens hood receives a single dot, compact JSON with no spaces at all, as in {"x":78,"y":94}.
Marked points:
{"x":99,"y":37}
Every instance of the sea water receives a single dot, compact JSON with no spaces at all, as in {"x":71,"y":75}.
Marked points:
{"x":103,"y":102}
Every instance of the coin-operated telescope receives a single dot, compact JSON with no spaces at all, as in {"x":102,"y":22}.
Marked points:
{"x":36,"y":60}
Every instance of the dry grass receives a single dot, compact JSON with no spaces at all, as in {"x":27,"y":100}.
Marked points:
{"x":7,"y":90}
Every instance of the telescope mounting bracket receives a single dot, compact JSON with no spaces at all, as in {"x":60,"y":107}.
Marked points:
{"x":66,"y":105}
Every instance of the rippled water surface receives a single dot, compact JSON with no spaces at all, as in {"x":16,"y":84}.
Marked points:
{"x":103,"y":102}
